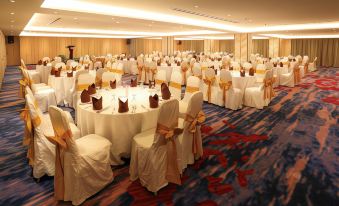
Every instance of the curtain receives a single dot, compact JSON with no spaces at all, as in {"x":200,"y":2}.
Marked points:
{"x":327,"y":50}
{"x":2,"y":57}
{"x":189,"y":45}
{"x":260,"y":46}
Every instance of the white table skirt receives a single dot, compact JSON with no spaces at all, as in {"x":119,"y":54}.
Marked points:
{"x":44,"y":72}
{"x":243,"y":82}
{"x":119,"y":128}
{"x":61,"y":85}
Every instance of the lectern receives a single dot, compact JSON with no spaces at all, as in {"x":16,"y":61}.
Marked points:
{"x":70,"y":48}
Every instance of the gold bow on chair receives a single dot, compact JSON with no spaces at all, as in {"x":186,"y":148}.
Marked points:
{"x":296,"y":75}
{"x":224,"y":86}
{"x":23,"y":83}
{"x":209,"y":81}
{"x":153,"y":70}
{"x":193,"y":123}
{"x":268,"y":90}
{"x":60,"y":141}
{"x":146,"y":70}
{"x":28,"y":139}
{"x":306,"y":68}
{"x":98,"y":81}
{"x":139,"y":72}
{"x":183,"y":73}
{"x":172,"y":170}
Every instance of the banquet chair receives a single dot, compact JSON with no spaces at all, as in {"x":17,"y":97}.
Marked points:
{"x":185,"y":72}
{"x":313,"y":65}
{"x":192,"y":86}
{"x":260,"y":69}
{"x":44,"y":94}
{"x":291,"y":78}
{"x":74,"y":64}
{"x":72,"y":98}
{"x":155,"y":156}
{"x":225,"y":94}
{"x":98,"y":76}
{"x":247,"y":66}
{"x":108,"y":65}
{"x":41,"y":152}
{"x":209,"y":85}
{"x":134,"y":67}
{"x":82,"y":166}
{"x":190,"y":140}
{"x":197,"y":71}
{"x":175,"y":85}
{"x":235,"y":65}
{"x":106,"y":78}
{"x":160,"y":78}
{"x":260,"y":96}
{"x":118,"y":72}
{"x":34,"y":74}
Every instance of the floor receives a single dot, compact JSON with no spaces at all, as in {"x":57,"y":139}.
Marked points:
{"x":285,"y":154}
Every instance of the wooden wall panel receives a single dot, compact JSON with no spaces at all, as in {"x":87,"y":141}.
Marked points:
{"x":226,"y":46}
{"x":3,"y":58}
{"x":189,"y":45}
{"x":32,"y":49}
{"x":13,"y":52}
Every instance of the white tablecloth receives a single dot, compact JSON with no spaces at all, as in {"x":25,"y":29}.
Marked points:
{"x":44,"y":72}
{"x":119,"y":128}
{"x":169,"y":70}
{"x":61,"y":85}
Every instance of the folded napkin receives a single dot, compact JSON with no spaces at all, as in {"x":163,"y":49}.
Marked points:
{"x":87,"y":67}
{"x":97,"y":103}
{"x":40,"y":62}
{"x":84,"y":96}
{"x":165,"y":92}
{"x":53,"y":71}
{"x":134,"y":82}
{"x":231,"y":68}
{"x":123,"y":105}
{"x":275,"y":64}
{"x":168,"y":64}
{"x":74,"y":68}
{"x":113,"y":84}
{"x":91,"y":89}
{"x":57,"y":72}
{"x":154,"y":101}
{"x":151,"y":83}
{"x":44,"y":63}
{"x":242,"y":73}
{"x":251,"y":72}
{"x":69,"y":74}
{"x":158,"y":63}
{"x":281,"y":64}
{"x":178,"y":63}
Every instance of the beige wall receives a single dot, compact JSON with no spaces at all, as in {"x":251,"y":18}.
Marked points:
{"x":13,"y":52}
{"x":32,"y":49}
{"x":285,"y":47}
{"x":226,"y":46}
{"x":260,"y":46}
{"x":2,"y":57}
{"x":146,"y":46}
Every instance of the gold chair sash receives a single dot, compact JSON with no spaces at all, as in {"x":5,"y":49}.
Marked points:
{"x":190,"y":89}
{"x":146,"y":70}
{"x":105,"y":84}
{"x":183,"y":73}
{"x":159,"y":81}
{"x":153,"y":71}
{"x":23,"y":83}
{"x":81,"y":87}
{"x":172,"y":169}
{"x":118,"y":71}
{"x":225,"y":86}
{"x":268,"y":90}
{"x":139,"y":72}
{"x":192,"y":128}
{"x":260,"y":71}
{"x":175,"y":85}
{"x":296,"y":75}
{"x":98,"y":81}
{"x":28,"y":139}
{"x":209,"y":82}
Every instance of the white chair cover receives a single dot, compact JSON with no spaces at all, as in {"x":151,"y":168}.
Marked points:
{"x":106,"y":78}
{"x":155,"y":160}
{"x":193,"y":84}
{"x":82,"y":166}
{"x":209,"y":86}
{"x":160,"y":78}
{"x":175,"y":85}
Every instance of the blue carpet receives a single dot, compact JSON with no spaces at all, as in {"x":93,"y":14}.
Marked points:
{"x":285,"y":154}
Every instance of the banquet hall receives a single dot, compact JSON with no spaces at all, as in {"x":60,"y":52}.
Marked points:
{"x":129,"y":102}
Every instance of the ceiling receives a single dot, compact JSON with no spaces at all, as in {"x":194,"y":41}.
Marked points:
{"x":154,"y":18}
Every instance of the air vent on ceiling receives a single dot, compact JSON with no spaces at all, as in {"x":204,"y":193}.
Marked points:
{"x":204,"y":15}
{"x":52,"y":22}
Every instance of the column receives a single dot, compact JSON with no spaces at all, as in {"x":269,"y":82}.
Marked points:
{"x":242,"y":47}
{"x":273,"y":47}
{"x":167,"y":45}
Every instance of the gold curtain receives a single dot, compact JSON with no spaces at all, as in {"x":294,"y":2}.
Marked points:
{"x":260,"y":46}
{"x":2,"y":56}
{"x":327,"y":50}
{"x":189,"y":45}
{"x":226,"y":46}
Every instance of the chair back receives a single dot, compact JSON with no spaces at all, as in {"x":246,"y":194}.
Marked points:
{"x":84,"y":80}
{"x":195,"y":103}
{"x":193,"y":85}
{"x":175,"y":85}
{"x":106,"y":78}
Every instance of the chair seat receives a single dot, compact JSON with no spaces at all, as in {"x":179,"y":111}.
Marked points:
{"x":181,"y":123}
{"x":145,"y":138}
{"x":93,"y":145}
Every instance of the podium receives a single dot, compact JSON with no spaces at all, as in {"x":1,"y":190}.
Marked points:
{"x":70,"y":49}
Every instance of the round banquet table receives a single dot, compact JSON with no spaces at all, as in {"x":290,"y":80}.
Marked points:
{"x":61,"y":85}
{"x":169,"y":70}
{"x":118,"y":128}
{"x":243,"y":82}
{"x":44,"y":72}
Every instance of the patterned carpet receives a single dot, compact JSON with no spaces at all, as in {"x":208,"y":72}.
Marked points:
{"x":285,"y":154}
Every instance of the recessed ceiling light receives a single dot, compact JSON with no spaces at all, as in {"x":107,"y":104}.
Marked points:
{"x":117,"y":22}
{"x":152,"y":22}
{"x":12,"y":13}
{"x":12,"y":1}
{"x":55,"y":12}
{"x":11,"y":25}
{"x":12,"y":21}
{"x":229,"y":15}
{"x":75,"y":18}
{"x":196,"y":6}
{"x":113,"y":18}
{"x":150,"y":25}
